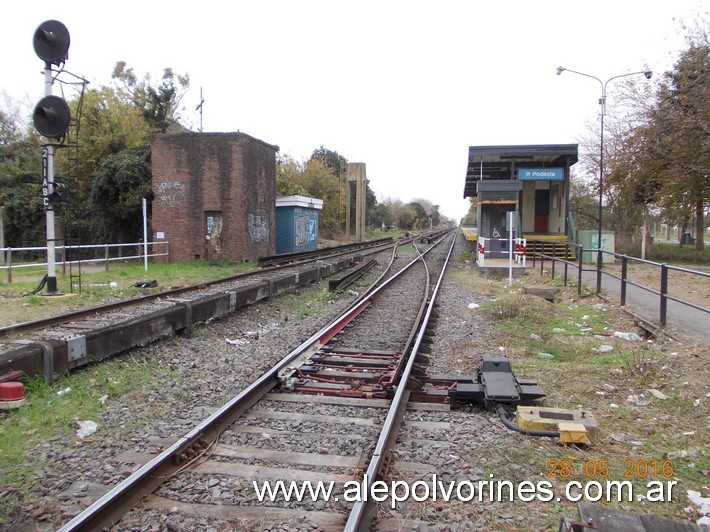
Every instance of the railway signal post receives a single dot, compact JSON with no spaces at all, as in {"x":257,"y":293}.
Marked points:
{"x":51,"y":119}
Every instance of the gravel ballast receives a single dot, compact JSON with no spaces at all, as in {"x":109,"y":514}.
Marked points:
{"x":196,"y":375}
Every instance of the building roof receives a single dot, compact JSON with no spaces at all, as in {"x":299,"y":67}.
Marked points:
{"x":500,"y":162}
{"x":299,"y":201}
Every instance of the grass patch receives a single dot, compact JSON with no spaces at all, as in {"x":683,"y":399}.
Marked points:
{"x":465,"y":257}
{"x":616,"y":386}
{"x":522,"y":315}
{"x":487,"y":286}
{"x":52,"y":411}
{"x":672,"y":253}
{"x":306,"y":303}
{"x":17,"y":306}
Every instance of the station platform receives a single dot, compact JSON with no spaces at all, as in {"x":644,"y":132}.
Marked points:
{"x":470,"y":233}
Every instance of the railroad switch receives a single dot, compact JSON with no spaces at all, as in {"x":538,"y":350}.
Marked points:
{"x":494,"y":384}
{"x":499,"y":390}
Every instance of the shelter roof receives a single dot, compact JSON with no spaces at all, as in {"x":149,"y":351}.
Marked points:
{"x":501,"y":162}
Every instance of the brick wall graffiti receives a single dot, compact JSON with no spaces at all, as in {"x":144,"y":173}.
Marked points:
{"x":258,"y":228}
{"x":172,"y":193}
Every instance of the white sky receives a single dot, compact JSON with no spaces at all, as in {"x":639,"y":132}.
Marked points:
{"x":403,"y":86}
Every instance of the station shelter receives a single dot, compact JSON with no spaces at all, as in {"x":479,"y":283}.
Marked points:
{"x":532,"y":182}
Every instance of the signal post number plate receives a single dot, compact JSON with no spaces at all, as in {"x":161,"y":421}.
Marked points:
{"x":45,"y":177}
{"x":633,"y":469}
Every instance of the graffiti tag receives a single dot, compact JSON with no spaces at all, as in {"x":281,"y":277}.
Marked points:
{"x":172,"y":193}
{"x":305,"y":230}
{"x":258,"y":227}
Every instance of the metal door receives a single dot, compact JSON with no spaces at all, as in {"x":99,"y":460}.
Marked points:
{"x":542,"y":210}
{"x":213,"y":225}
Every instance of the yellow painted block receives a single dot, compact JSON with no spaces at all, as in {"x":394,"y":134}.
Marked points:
{"x":578,"y":422}
{"x":528,"y":419}
{"x":573,"y":433}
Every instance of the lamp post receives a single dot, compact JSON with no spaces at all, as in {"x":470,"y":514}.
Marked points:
{"x":602,"y":102}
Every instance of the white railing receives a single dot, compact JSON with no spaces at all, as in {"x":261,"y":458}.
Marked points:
{"x":154,"y":250}
{"x":489,"y":248}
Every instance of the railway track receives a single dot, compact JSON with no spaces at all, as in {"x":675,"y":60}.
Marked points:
{"x":77,"y":338}
{"x":273,"y":268}
{"x":277,"y":429}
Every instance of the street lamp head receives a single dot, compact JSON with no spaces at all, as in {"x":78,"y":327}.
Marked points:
{"x":648,"y":74}
{"x":561,"y":69}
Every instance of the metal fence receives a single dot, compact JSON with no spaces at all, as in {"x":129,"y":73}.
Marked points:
{"x":569,"y":249}
{"x":68,"y":256}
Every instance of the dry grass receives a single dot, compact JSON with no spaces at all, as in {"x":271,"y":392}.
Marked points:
{"x":615,"y":386}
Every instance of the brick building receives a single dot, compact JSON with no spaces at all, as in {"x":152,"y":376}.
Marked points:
{"x":214,"y":196}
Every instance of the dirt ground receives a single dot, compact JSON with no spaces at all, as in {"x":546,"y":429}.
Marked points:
{"x":689,"y":287}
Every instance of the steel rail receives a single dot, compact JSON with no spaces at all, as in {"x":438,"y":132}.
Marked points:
{"x":291,"y":257}
{"x":108,"y":509}
{"x":107,"y":307}
{"x":360,"y":518}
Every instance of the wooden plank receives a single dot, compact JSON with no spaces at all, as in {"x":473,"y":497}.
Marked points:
{"x":313,"y":435}
{"x":327,"y":400}
{"x":287,"y":457}
{"x":338,"y":359}
{"x":328,"y":521}
{"x":261,"y":473}
{"x":429,"y":407}
{"x":353,"y":401}
{"x":439,"y":443}
{"x":267,"y":455}
{"x":312,"y":418}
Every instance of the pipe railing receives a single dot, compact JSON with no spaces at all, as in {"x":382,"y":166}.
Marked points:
{"x":89,"y":250}
{"x":663,"y":269}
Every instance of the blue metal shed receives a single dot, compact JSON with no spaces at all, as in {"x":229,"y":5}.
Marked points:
{"x":297,"y":223}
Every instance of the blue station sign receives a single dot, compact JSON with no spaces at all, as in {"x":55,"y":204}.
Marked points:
{"x":541,"y":174}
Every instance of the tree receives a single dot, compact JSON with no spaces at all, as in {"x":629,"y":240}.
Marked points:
{"x":421,"y":218}
{"x":406,"y":217}
{"x":119,"y":185}
{"x":20,"y":171}
{"x":431,"y":210}
{"x":289,"y":176}
{"x":681,"y":134}
{"x":109,"y":125}
{"x":332,"y":159}
{"x":471,"y":215}
{"x":313,"y":178}
{"x":583,"y":204}
{"x":158,"y":104}
{"x":435,"y":215}
{"x":381,"y":216}
{"x":116,"y":123}
{"x":659,"y":161}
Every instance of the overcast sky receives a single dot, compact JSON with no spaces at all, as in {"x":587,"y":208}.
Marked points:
{"x":403,"y":86}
